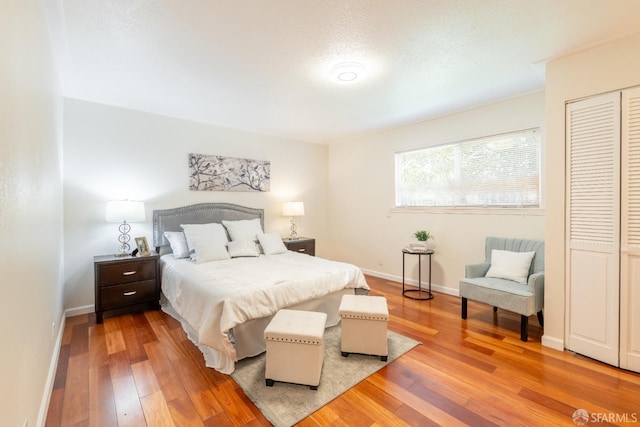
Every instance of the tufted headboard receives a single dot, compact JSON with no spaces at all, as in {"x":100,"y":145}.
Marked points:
{"x":201,"y":213}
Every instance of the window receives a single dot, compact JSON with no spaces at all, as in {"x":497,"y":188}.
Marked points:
{"x":495,"y":171}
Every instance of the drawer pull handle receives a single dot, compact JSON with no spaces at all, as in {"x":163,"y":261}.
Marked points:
{"x":302,"y":250}
{"x":128,"y":294}
{"x":129,"y":273}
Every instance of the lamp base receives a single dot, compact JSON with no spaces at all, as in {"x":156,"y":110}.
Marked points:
{"x":294,"y":232}
{"x":124,"y":239}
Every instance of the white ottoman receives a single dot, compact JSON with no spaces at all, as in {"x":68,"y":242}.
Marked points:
{"x":364,"y":325}
{"x":295,"y":347}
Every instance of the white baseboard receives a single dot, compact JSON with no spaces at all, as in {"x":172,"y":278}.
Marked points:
{"x":412,"y":282}
{"x":53,"y":365}
{"x":553,"y":342}
{"x":51,"y":376}
{"x":70,"y":312}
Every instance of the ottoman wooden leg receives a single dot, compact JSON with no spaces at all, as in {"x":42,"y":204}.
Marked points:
{"x":345,"y":354}
{"x":269,"y":382}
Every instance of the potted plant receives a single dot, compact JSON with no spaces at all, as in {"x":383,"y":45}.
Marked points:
{"x":422,"y":236}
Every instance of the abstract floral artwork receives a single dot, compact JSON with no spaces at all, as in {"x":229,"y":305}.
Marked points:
{"x":219,"y":173}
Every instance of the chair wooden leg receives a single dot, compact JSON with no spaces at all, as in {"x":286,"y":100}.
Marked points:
{"x":464,"y":308}
{"x":524,"y":328}
{"x":540,"y":319}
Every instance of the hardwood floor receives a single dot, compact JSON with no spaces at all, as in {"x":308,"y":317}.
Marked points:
{"x":140,"y":369}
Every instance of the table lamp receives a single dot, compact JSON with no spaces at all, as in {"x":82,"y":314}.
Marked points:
{"x":124,"y":211}
{"x":293,"y":209}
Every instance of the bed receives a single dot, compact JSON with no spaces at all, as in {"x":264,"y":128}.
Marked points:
{"x":225,"y":303}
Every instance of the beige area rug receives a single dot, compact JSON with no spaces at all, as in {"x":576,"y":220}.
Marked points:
{"x":285,"y":404}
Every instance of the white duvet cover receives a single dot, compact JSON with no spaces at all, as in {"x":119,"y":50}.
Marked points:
{"x":213,"y":297}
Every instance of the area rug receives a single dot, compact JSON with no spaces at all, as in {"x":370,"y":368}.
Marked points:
{"x":286,"y":404}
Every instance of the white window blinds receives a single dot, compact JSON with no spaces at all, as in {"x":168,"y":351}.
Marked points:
{"x":494,"y":171}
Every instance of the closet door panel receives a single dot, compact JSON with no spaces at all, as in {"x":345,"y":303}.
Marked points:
{"x":630,"y":313}
{"x":591,"y":308}
{"x":630,"y":233}
{"x":593,"y":227}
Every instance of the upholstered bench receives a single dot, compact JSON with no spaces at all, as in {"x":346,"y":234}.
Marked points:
{"x":295,"y":347}
{"x":364,"y":325}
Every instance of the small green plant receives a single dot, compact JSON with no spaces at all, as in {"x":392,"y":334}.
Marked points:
{"x":422,"y":235}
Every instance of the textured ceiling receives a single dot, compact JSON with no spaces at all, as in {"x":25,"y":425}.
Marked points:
{"x":264,"y":65}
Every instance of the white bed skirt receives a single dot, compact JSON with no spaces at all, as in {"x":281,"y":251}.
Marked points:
{"x":248,"y":338}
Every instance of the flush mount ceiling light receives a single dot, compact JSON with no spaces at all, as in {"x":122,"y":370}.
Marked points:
{"x":347,"y":73}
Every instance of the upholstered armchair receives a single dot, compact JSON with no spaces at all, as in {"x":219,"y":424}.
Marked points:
{"x":513,"y":280}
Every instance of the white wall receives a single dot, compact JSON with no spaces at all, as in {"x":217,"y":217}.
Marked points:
{"x":30,"y":211}
{"x":365,"y":232}
{"x":114,"y":153}
{"x":603,"y":69}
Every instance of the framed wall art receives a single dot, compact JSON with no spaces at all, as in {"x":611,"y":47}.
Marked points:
{"x":219,"y":173}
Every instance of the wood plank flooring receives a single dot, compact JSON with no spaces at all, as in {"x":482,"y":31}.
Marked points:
{"x":141,"y":370}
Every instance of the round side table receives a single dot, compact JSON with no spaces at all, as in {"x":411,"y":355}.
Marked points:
{"x":419,"y":293}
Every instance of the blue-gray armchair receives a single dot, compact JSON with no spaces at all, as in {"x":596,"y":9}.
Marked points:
{"x":522,"y":294}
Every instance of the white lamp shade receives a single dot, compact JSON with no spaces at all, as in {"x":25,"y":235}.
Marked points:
{"x":125,"y":210}
{"x":293,"y":209}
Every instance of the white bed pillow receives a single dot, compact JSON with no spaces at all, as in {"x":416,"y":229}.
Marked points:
{"x":178,"y":243}
{"x":212,"y":233}
{"x":205,"y":250}
{"x":272,"y":244}
{"x":245,"y":229}
{"x":242,"y":248}
{"x":510,"y":265}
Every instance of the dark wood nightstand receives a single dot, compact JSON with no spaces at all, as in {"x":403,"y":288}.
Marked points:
{"x":303,"y":245}
{"x":125,"y":283}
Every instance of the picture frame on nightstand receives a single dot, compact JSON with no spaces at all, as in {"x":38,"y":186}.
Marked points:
{"x":143,"y":246}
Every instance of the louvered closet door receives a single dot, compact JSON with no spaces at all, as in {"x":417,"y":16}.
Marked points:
{"x":593,"y":224}
{"x":630,"y":236}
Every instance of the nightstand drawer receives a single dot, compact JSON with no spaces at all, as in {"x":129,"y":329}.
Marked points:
{"x":125,"y":283}
{"x":126,"y":272}
{"x":128,"y":294}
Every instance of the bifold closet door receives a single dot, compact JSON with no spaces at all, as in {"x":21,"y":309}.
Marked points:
{"x":593,"y":227}
{"x":630,"y":237}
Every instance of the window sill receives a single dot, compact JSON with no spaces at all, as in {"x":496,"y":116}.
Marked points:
{"x":469,"y":210}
